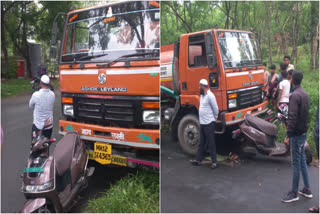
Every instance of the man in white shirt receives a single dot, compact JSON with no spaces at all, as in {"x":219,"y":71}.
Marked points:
{"x":284,"y":89}
{"x":208,"y":114}
{"x":42,"y":102}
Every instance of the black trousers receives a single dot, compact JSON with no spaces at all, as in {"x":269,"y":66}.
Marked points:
{"x":47,"y":132}
{"x":207,"y":139}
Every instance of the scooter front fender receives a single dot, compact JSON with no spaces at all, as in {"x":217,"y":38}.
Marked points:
{"x":32,"y":205}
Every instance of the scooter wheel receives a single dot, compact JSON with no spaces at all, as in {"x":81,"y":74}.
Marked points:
{"x":308,"y":156}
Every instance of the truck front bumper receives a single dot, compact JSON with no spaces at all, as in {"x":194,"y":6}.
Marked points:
{"x":235,"y":117}
{"x":136,"y":138}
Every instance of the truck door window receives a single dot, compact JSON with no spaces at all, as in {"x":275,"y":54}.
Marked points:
{"x":197,"y":51}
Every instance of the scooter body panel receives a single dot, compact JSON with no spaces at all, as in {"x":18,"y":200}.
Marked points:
{"x":48,"y":174}
{"x":32,"y":205}
{"x":61,"y":200}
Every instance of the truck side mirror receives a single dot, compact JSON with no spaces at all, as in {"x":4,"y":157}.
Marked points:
{"x":53,"y":52}
{"x":211,"y":54}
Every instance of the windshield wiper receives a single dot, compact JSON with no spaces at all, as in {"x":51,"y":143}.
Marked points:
{"x":122,"y":57}
{"x":92,"y":56}
{"x":75,"y":61}
{"x":243,"y":63}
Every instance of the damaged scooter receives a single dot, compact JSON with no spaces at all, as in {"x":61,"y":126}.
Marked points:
{"x":257,"y":135}
{"x":52,"y":182}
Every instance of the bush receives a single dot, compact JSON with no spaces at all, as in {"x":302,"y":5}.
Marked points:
{"x":134,"y":194}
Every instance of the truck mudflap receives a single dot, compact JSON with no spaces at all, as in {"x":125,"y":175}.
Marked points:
{"x":136,"y":138}
{"x":235,"y":117}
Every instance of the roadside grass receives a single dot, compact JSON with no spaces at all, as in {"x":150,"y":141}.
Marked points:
{"x":14,"y":87}
{"x":137,"y":193}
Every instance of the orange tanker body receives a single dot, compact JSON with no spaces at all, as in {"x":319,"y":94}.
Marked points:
{"x":230,"y":60}
{"x":109,"y":80}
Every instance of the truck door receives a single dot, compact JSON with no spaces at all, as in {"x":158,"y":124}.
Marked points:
{"x":202,"y":64}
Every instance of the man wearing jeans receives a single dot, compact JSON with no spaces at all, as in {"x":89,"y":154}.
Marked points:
{"x":208,"y":114}
{"x":297,"y":126}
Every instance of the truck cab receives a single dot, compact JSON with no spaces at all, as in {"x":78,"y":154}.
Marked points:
{"x":231,"y":62}
{"x":109,"y":80}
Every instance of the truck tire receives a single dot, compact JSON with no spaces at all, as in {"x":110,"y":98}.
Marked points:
{"x":189,"y":134}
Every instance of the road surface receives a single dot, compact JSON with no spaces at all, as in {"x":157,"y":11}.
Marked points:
{"x":254,"y":185}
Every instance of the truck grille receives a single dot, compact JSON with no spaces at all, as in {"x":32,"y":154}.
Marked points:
{"x":105,"y":110}
{"x":249,"y":97}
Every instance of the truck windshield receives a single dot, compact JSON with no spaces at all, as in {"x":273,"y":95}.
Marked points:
{"x":238,"y":49}
{"x":107,"y":33}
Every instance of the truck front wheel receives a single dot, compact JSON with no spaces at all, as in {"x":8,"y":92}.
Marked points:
{"x":189,"y":134}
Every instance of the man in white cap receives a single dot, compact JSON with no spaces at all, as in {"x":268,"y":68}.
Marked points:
{"x":42,"y":102}
{"x":208,"y":114}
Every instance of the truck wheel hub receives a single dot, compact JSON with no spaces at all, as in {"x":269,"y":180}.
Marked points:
{"x":191,"y":134}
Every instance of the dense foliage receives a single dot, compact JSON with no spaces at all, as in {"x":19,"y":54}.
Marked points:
{"x":279,"y":26}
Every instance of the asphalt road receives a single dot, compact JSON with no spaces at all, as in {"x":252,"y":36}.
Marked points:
{"x":254,"y":185}
{"x":16,"y":121}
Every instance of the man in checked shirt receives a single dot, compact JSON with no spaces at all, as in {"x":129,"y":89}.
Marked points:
{"x":208,"y":114}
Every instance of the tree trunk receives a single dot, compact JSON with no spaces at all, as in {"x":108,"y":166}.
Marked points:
{"x":235,"y":21}
{"x":269,"y":31}
{"x":4,"y":48}
{"x":228,"y":7}
{"x":295,"y":34}
{"x":314,"y":35}
{"x":244,"y":15}
{"x":25,"y":46}
{"x":282,"y":35}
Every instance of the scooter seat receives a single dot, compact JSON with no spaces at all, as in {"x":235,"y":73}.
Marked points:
{"x":63,"y":152}
{"x":262,"y":125}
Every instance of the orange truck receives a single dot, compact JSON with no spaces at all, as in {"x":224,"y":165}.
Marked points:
{"x":231,"y":62}
{"x":109,"y":70}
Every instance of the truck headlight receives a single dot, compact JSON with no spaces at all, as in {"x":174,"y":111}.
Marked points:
{"x":68,"y":110}
{"x":262,"y":95}
{"x":151,"y":116}
{"x":232,"y":103}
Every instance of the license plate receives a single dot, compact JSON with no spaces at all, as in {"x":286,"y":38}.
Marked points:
{"x":116,"y":160}
{"x":102,"y":153}
{"x":34,"y":169}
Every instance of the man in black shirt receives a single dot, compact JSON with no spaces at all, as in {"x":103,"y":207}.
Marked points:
{"x":297,"y":126}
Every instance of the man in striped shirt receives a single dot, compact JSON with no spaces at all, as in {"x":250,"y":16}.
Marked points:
{"x":42,"y":102}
